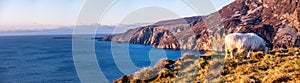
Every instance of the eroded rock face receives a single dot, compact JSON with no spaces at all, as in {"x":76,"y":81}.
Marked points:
{"x":277,"y":21}
{"x":171,"y":34}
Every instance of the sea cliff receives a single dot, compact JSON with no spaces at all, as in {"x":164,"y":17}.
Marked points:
{"x":277,"y":21}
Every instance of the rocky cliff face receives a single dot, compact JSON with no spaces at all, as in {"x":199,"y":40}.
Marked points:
{"x":169,"y":34}
{"x":277,"y":21}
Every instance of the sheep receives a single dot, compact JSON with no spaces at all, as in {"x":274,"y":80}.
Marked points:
{"x":244,"y":42}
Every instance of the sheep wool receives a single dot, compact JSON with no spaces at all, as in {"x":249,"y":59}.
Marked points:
{"x":244,"y":42}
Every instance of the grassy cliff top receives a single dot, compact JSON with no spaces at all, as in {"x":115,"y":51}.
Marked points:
{"x":282,"y":65}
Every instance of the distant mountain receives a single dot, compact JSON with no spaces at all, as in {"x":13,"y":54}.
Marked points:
{"x":59,"y":30}
{"x":101,"y":29}
{"x":277,"y":21}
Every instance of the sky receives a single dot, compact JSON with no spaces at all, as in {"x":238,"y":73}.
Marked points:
{"x":50,"y":14}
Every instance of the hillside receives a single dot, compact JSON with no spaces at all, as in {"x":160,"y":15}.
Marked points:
{"x":277,"y":21}
{"x":279,"y":66}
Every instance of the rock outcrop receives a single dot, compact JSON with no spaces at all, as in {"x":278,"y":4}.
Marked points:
{"x":277,"y":21}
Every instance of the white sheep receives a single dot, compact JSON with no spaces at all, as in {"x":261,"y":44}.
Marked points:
{"x":244,"y":42}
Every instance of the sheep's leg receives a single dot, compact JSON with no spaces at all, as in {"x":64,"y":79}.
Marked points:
{"x":267,"y":50}
{"x":226,"y":52}
{"x":231,"y":54}
{"x":248,"y":56}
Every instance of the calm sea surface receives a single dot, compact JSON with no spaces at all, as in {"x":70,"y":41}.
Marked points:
{"x":49,"y":58}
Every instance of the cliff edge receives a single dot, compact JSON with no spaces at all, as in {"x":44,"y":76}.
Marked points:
{"x":279,"y":66}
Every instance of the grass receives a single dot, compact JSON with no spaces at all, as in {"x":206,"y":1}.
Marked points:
{"x":282,"y":65}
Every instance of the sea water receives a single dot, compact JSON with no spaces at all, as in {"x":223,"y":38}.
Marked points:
{"x":48,"y":58}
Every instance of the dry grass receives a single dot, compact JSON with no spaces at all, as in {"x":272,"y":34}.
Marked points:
{"x":145,"y":74}
{"x":160,"y":64}
{"x":282,"y":65}
{"x":187,"y":56}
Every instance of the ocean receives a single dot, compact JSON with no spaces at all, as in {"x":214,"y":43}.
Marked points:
{"x":48,"y":58}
